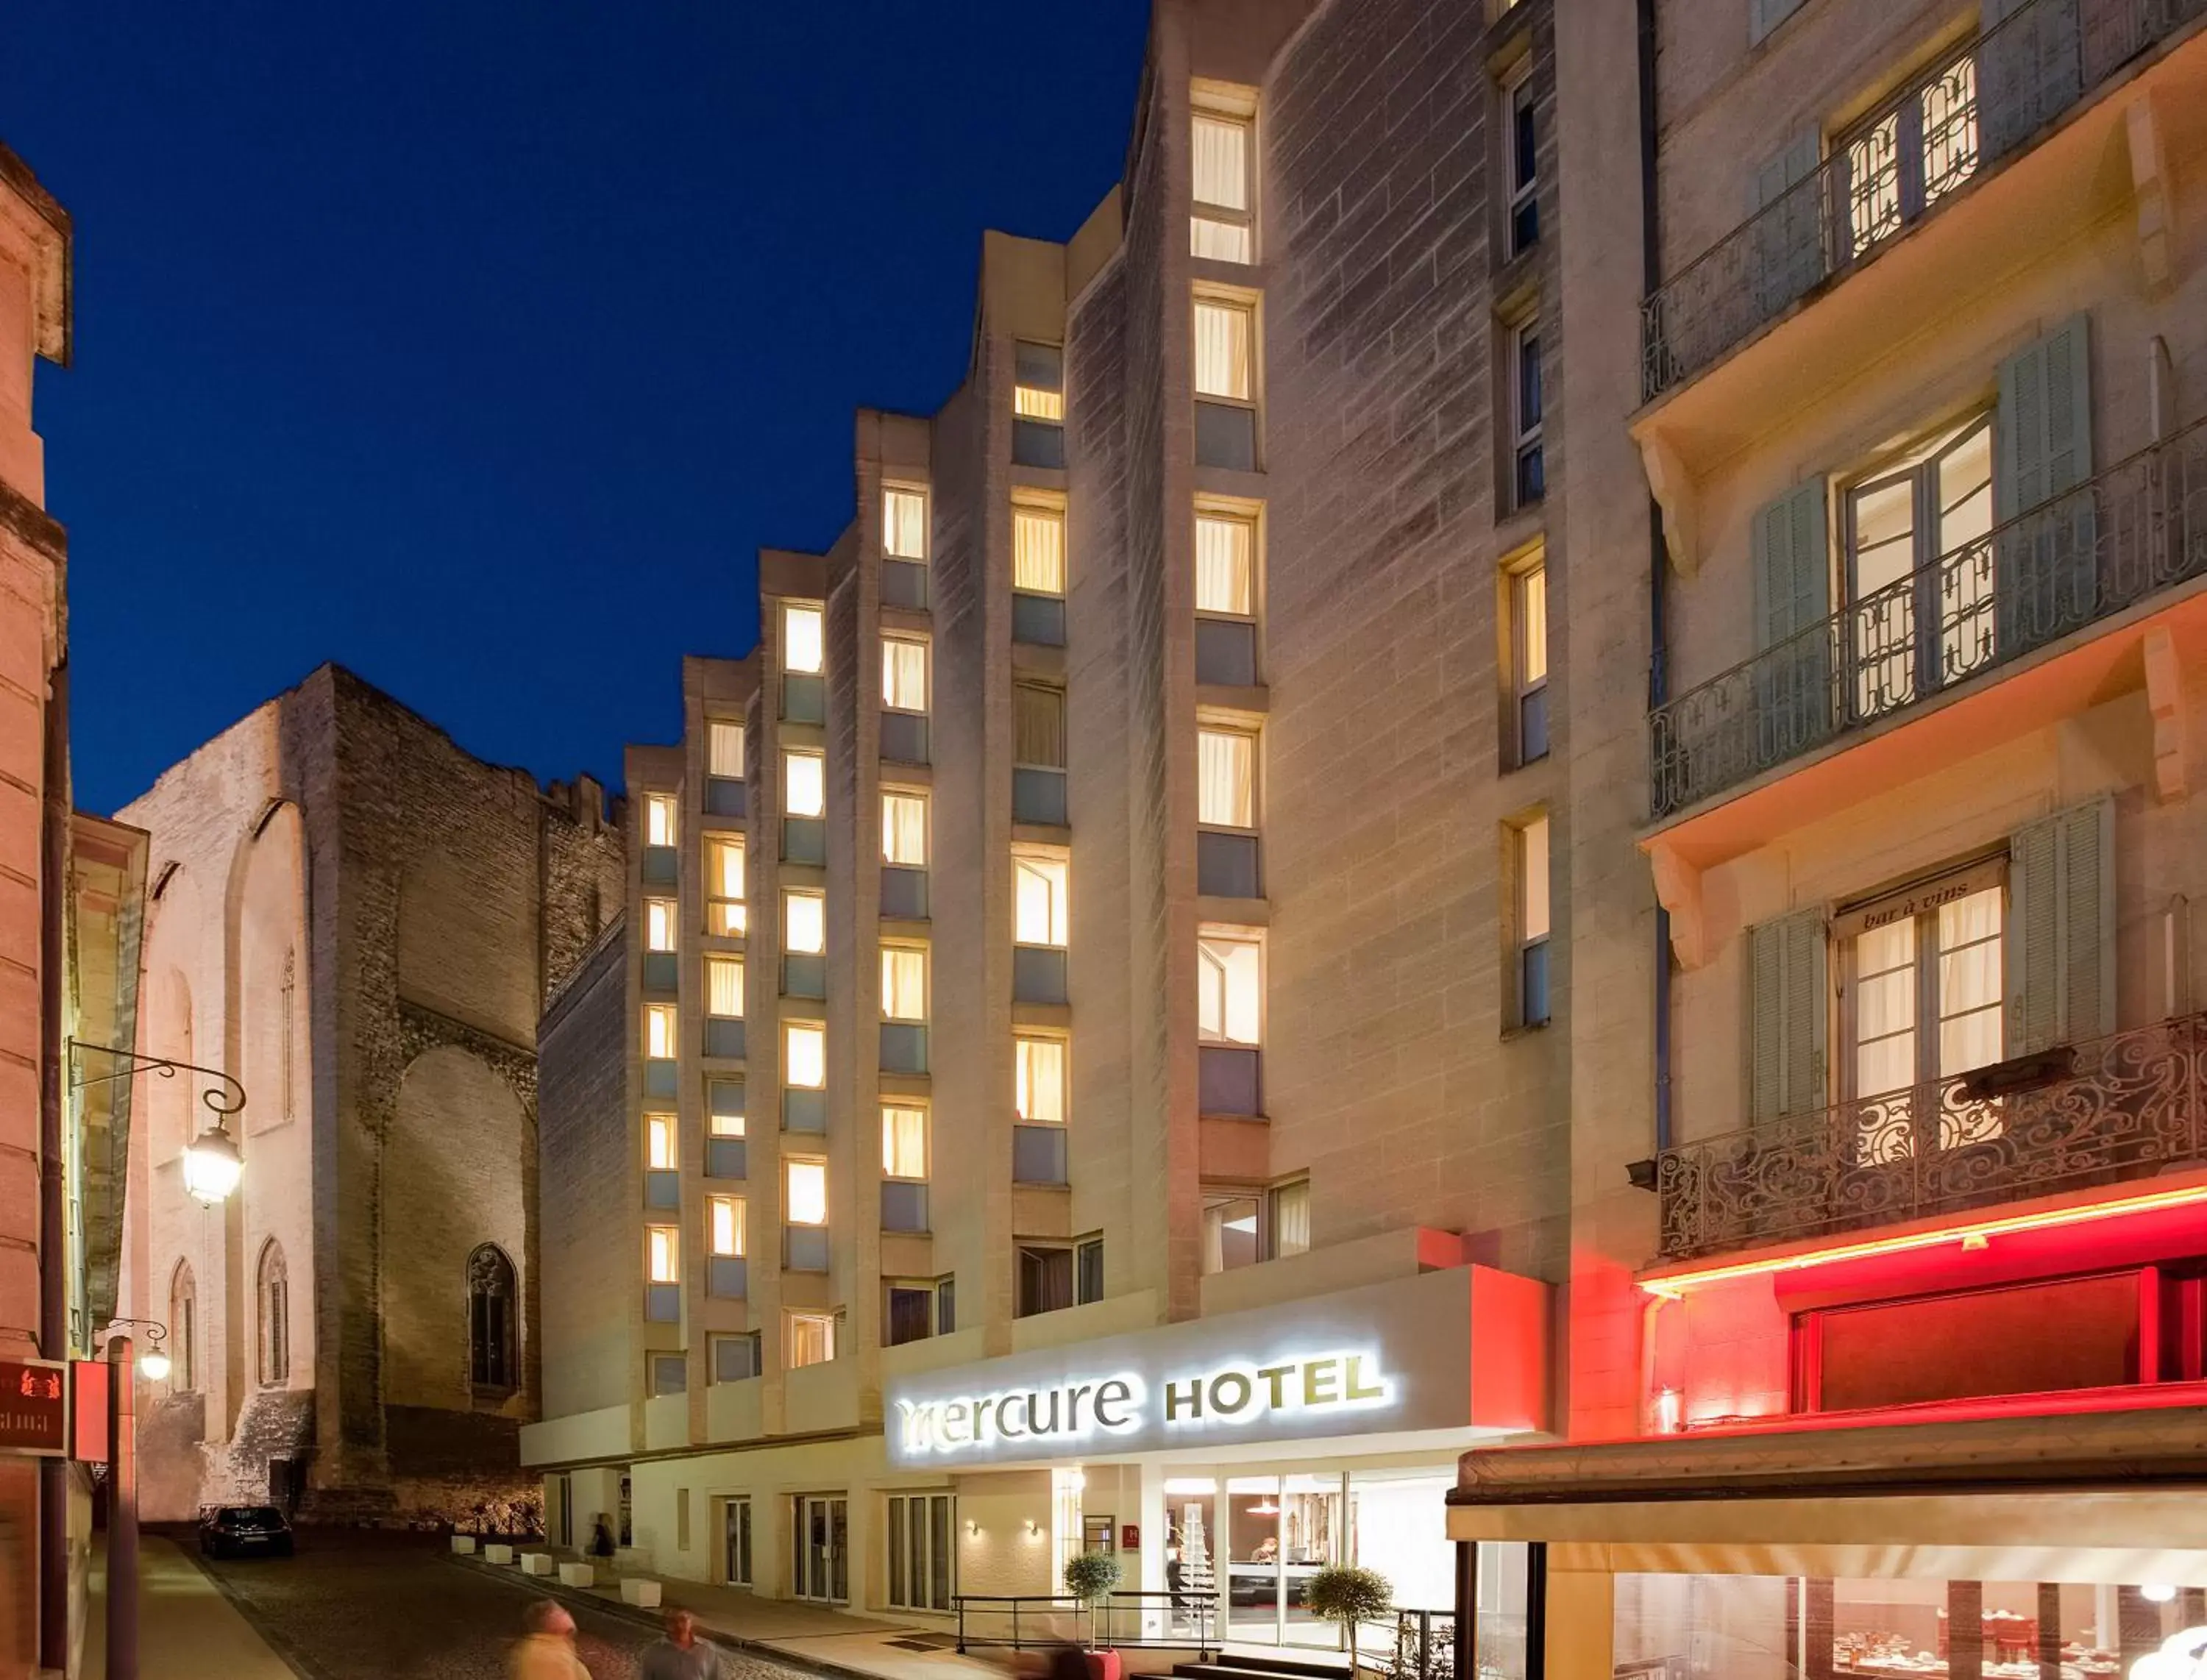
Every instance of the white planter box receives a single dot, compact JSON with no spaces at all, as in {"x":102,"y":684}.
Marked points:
{"x":536,"y":1563}
{"x":464,"y":1544}
{"x":642,"y":1593}
{"x":498,"y":1554}
{"x":578,"y":1575}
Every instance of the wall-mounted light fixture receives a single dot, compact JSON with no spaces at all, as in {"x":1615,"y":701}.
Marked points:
{"x":213,"y":1163}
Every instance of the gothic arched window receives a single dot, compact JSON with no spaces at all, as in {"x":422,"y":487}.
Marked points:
{"x":273,"y":1290}
{"x":491,"y":1312}
{"x":183,"y":1329}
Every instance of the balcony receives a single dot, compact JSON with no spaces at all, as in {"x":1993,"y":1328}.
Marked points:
{"x":2135,"y":530}
{"x":2107,"y":1111}
{"x":1983,"y":103}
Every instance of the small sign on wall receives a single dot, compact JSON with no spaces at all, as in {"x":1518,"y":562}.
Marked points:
{"x":1130,"y":1537}
{"x":34,"y":1407}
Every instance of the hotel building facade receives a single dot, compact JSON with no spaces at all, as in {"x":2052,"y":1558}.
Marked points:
{"x":1899,"y":1369}
{"x":1089,"y":1055}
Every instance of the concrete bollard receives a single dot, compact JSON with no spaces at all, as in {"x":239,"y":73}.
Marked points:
{"x":498,"y":1554}
{"x":578,"y":1575}
{"x":640,"y":1591}
{"x":465,"y":1545}
{"x":536,"y":1563}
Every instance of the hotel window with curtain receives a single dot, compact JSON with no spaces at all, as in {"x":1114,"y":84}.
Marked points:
{"x":724,"y":987}
{"x":659,"y":924}
{"x":1226,"y":778}
{"x":1528,"y":585}
{"x":804,"y":1055}
{"x":804,"y":924}
{"x":659,"y":1143}
{"x":904,"y":673}
{"x":1037,"y":548}
{"x":812,"y":1339}
{"x":1230,"y":990}
{"x":904,"y":1141}
{"x":1530,"y":919}
{"x":726,"y":1233}
{"x":1225,"y":563}
{"x":663,"y":1253}
{"x":1039,"y":1079}
{"x":804,"y":1192}
{"x":724,"y":750}
{"x":1287,"y":1219}
{"x":659,"y":819}
{"x":1038,"y":381}
{"x":904,"y":983}
{"x":804,"y":784}
{"x":904,"y":523}
{"x":1231,"y":1230}
{"x":724,"y":885}
{"x":1222,"y":227}
{"x":659,"y":1031}
{"x":1038,"y":899}
{"x":904,"y":829}
{"x":1039,"y":792}
{"x":802,"y":646}
{"x":1225,"y":383}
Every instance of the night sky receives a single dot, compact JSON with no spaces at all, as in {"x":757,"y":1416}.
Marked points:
{"x":478,"y":345}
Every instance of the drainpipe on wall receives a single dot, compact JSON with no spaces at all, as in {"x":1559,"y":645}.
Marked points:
{"x":1658,"y":676}
{"x":53,"y":1244}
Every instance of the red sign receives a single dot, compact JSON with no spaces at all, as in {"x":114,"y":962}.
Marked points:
{"x":1130,"y":1538}
{"x":90,"y":1434}
{"x":34,"y":1407}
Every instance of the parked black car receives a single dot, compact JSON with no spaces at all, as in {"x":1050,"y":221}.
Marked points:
{"x":243,"y":1531}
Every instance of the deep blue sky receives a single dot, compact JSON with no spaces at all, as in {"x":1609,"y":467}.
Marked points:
{"x":478,"y":345}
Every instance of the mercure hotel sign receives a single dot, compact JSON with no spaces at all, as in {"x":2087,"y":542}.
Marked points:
{"x":1386,"y":1357}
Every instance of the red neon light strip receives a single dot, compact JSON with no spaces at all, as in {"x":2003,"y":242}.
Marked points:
{"x":1674,"y":1284}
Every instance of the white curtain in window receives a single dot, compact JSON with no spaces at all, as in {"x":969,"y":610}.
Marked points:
{"x":666,"y":1252}
{"x":1531,"y":626}
{"x":805,"y":1056}
{"x":1221,"y":162}
{"x":904,"y":1141}
{"x":1038,"y":550}
{"x":1222,"y":351}
{"x":659,"y":924}
{"x":724,"y":987}
{"x":1223,"y":549}
{"x":802,"y":649}
{"x":804,"y":784}
{"x":903,"y":830}
{"x":729,"y":1236}
{"x":1885,"y":1008}
{"x":903,"y":983}
{"x":659,"y":1149}
{"x":804,"y":924}
{"x":1038,"y":901}
{"x":658,"y":820}
{"x":1225,"y":773}
{"x":1291,"y":1219}
{"x":1533,"y":880}
{"x":904,"y":674}
{"x":807,"y":1191}
{"x":658,"y":1031}
{"x":725,"y":750}
{"x":1039,"y":1080}
{"x":1230,"y":992}
{"x":811,"y":1340}
{"x":1970,"y":981}
{"x":903,"y":524}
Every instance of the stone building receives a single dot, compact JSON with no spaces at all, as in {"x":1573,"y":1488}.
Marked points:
{"x":1119,"y":929}
{"x":361,"y":922}
{"x":1897,"y":1362}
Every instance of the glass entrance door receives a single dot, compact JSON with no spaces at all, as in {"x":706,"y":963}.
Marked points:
{"x":736,"y":1542}
{"x":1252,"y":1558}
{"x":820,"y":1547}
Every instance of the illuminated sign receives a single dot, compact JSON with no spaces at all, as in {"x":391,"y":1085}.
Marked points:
{"x":1125,"y":1401}
{"x":34,"y":1407}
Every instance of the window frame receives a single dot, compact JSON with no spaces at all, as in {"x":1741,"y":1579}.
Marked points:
{"x":1250,"y":521}
{"x":1530,"y":950}
{"x":720,"y":962}
{"x":791,"y":611}
{"x":1526,"y":431}
{"x":908,"y":948}
{"x":657,"y":1359}
{"x":741,"y":1218}
{"x":1083,"y":1248}
{"x":717,"y":731}
{"x":790,"y":1165}
{"x":789,"y":1030}
{"x":727,"y":917}
{"x":892,"y":639}
{"x":1021,"y":1063}
{"x":1025,"y":1248}
{"x":670,"y":1048}
{"x":1221,"y":1196}
{"x":919,"y":493}
{"x":659,"y":1125}
{"x":791,"y":758}
{"x":914,"y":796}
{"x":661,"y":924}
{"x":828,"y":1323}
{"x":1518,"y":581}
{"x":1927,"y":1005}
{"x":1242,"y":938}
{"x":811,"y":895}
{"x":1268,"y":1226}
{"x":1520,"y":99}
{"x":890,"y":1150}
{"x":1241,"y":218}
{"x":1049,"y":413}
{"x":662,"y":1240}
{"x":1029,"y":504}
{"x":924,"y":1287}
{"x":1246,"y":305}
{"x":1251,"y":740}
{"x":1060,"y":895}
{"x":663,"y":819}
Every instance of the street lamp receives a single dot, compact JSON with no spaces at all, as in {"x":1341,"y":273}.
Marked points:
{"x":213,"y":1165}
{"x":122,"y":1487}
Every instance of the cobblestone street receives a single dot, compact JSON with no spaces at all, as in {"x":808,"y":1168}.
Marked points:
{"x":389,"y":1607}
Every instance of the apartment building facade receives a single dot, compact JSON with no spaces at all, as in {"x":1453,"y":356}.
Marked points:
{"x":1903,"y":1373}
{"x":1115,"y":943}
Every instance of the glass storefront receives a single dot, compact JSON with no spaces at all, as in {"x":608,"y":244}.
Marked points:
{"x":1682,"y":1627}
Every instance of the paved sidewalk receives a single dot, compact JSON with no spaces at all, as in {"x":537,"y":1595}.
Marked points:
{"x":186,"y":1629}
{"x":833,"y":1641}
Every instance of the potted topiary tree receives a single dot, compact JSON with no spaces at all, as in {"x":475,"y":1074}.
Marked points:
{"x":1091,"y":1577}
{"x":1344,"y":1593}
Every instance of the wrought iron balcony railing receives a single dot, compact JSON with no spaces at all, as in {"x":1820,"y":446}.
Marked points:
{"x":2138,"y":527}
{"x":1980,"y":103}
{"x":2126,"y":1107}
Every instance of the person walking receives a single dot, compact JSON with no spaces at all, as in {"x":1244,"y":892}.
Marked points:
{"x":679,"y":1655}
{"x":601,"y":1538}
{"x":545,"y":1649}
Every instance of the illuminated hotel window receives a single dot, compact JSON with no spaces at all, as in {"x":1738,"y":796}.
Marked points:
{"x":724,"y":875}
{"x":804,"y":922}
{"x":725,"y":750}
{"x":1037,"y":548}
{"x":659,"y":924}
{"x":659,"y":1031}
{"x":904,"y":1141}
{"x":1221,"y":228}
{"x":805,"y":1192}
{"x":803,"y":648}
{"x":725,"y":1230}
{"x":659,"y":1143}
{"x":904,"y":523}
{"x":1039,"y":1079}
{"x":804,"y":1055}
{"x":904,"y":829}
{"x":804,"y":784}
{"x":659,"y":819}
